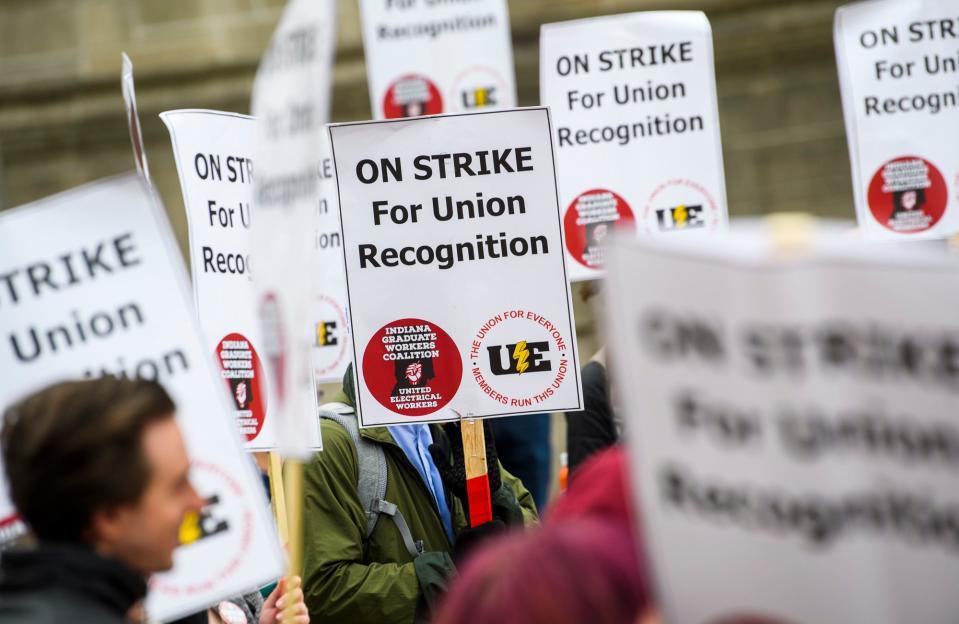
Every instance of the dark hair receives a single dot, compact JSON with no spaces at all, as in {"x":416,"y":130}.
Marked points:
{"x":76,"y":447}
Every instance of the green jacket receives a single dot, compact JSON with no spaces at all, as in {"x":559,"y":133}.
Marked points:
{"x":347,"y":580}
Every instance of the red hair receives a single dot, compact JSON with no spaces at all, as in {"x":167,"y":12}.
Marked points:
{"x":583,"y":570}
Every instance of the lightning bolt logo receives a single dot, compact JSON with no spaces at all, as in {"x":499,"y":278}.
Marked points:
{"x":680,"y":216}
{"x":521,"y":355}
{"x":321,"y":334}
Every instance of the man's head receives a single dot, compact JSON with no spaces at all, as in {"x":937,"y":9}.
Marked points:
{"x":101,"y":462}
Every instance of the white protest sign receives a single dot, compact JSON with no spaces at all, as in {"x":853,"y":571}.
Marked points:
{"x":213,"y":151}
{"x":291,"y":105}
{"x":638,"y":149}
{"x":459,"y":301}
{"x":426,"y":58}
{"x":898,"y":68}
{"x":93,"y":284}
{"x":331,"y":339}
{"x":792,"y":429}
{"x":133,"y":117}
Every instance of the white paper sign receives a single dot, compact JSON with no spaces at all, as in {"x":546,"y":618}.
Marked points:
{"x":291,"y":104}
{"x":331,"y":327}
{"x":213,"y":153}
{"x":133,"y":117}
{"x":898,"y":69}
{"x":93,"y":284}
{"x":638,"y":149}
{"x":426,"y":58}
{"x":459,"y":300}
{"x":792,"y":429}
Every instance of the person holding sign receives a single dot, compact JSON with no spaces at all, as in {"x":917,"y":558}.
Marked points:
{"x":385,"y":521}
{"x":99,"y":471}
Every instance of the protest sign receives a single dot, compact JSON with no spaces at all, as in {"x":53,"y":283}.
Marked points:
{"x":331,"y":341}
{"x":898,"y":63}
{"x":213,"y":150}
{"x":133,"y":117}
{"x":791,"y":421}
{"x":427,"y":58}
{"x":291,"y":105}
{"x":93,"y":284}
{"x":636,"y":125}
{"x":458,"y":297}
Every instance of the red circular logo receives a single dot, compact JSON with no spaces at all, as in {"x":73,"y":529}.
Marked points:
{"x":240,"y":367}
{"x":589,"y":221}
{"x":412,"y":367}
{"x":908,"y":195}
{"x":411,"y":96}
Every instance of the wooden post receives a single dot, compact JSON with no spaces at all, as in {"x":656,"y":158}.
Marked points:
{"x":278,"y":497}
{"x":293,"y":481}
{"x":477,"y":479}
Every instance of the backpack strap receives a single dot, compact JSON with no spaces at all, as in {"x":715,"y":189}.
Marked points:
{"x":371,"y":483}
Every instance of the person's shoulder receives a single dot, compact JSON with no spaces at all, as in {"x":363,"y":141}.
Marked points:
{"x":594,"y":373}
{"x":52,"y":606}
{"x":337,"y":441}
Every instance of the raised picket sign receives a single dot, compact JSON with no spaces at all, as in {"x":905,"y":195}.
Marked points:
{"x":638,"y":149}
{"x":458,"y":296}
{"x":331,"y":327}
{"x":791,"y":426}
{"x":427,"y":58}
{"x":290,"y":101}
{"x":115,"y":300}
{"x":898,"y":63}
{"x":213,"y":154}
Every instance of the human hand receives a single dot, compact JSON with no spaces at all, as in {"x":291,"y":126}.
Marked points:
{"x":285,"y":604}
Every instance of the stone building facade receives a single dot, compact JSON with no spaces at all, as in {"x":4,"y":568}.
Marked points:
{"x":62,"y":122}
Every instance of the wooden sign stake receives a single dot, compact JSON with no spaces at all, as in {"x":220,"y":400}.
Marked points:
{"x":477,"y":479}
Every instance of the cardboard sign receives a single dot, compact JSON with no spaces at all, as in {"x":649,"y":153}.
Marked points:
{"x":133,"y":117}
{"x":291,"y":105}
{"x":459,"y":301}
{"x":427,"y":58}
{"x":792,"y":429}
{"x":213,"y":151}
{"x":898,"y":64}
{"x":331,"y":327}
{"x":638,"y":149}
{"x":93,"y":284}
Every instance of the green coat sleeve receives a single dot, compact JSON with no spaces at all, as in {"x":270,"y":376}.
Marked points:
{"x":524,"y":499}
{"x":338,"y":584}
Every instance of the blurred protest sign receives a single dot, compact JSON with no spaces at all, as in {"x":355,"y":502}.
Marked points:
{"x":133,"y":117}
{"x":213,"y":156}
{"x":93,"y":284}
{"x":633,"y":99}
{"x":459,"y":301}
{"x":331,"y":337}
{"x":427,"y":58}
{"x":898,"y":63}
{"x":291,"y":105}
{"x":792,"y":420}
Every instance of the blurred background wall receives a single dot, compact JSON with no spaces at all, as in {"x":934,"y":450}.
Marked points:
{"x":62,"y":120}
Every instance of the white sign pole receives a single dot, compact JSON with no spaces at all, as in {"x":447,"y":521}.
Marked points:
{"x":459,"y":300}
{"x":898,"y":63}
{"x":638,"y":147}
{"x":427,"y":58}
{"x":792,"y":428}
{"x":114,"y":299}
{"x":213,"y":153}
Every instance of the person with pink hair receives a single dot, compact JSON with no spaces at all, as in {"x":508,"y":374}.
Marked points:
{"x":584,"y":570}
{"x":586,"y":564}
